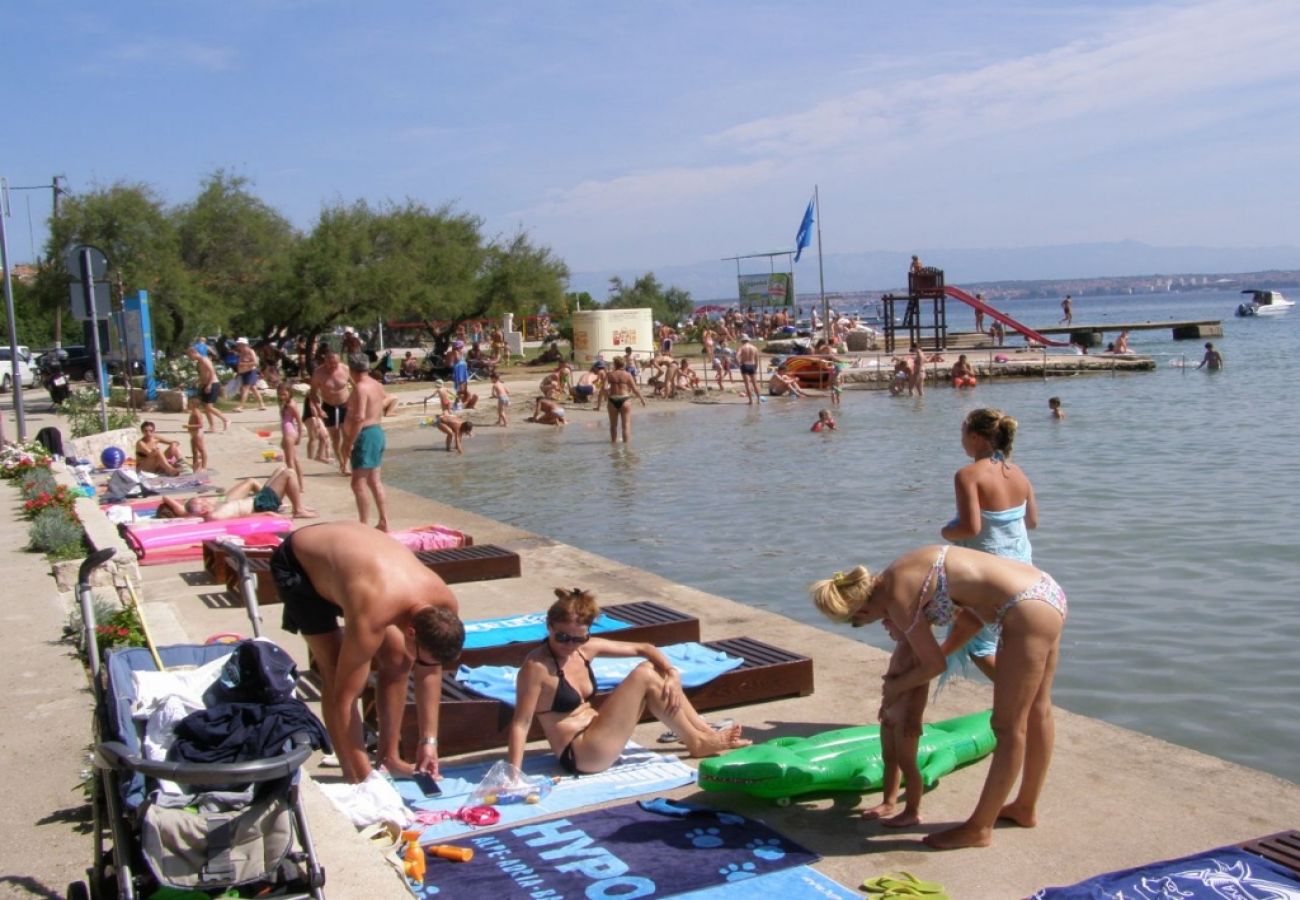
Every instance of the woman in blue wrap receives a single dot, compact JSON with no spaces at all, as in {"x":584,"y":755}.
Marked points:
{"x":995,"y":509}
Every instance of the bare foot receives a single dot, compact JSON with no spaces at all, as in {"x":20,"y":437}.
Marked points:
{"x":964,"y":835}
{"x":398,"y":767}
{"x":382,"y":524}
{"x":238,"y":409}
{"x":305,"y":513}
{"x":879,"y":811}
{"x":902,"y":820}
{"x":1025,"y":818}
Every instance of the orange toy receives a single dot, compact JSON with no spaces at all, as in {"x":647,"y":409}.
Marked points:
{"x":413,"y":861}
{"x":447,"y":851}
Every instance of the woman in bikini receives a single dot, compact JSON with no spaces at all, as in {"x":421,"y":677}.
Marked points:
{"x":941,"y":585}
{"x":157,"y":455}
{"x":556,"y":684}
{"x":618,"y":388}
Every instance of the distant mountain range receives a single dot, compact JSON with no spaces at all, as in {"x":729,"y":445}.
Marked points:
{"x":883,"y":270}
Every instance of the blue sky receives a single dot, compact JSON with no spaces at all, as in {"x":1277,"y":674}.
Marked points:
{"x":638,"y":135}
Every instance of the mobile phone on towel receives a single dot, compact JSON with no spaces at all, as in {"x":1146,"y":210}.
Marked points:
{"x":426,"y":783}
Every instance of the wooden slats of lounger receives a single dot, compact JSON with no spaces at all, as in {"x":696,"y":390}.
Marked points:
{"x":647,"y":622}
{"x":469,"y":722}
{"x":1282,"y":848}
{"x":455,"y":565}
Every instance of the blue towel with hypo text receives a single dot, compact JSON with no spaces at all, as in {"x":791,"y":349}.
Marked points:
{"x":519,"y":629}
{"x":698,"y":664}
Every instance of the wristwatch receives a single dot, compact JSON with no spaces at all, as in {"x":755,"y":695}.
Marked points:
{"x":429,"y":741}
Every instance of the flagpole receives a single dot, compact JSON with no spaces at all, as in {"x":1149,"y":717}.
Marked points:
{"x":821,"y":275}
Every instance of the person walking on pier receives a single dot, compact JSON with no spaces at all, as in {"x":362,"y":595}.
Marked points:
{"x":1067,"y":308}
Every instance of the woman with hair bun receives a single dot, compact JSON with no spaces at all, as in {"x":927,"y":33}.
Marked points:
{"x":945,"y":585}
{"x":995,"y":507}
{"x":556,"y":684}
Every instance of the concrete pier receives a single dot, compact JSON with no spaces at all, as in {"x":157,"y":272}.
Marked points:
{"x":1114,"y":798}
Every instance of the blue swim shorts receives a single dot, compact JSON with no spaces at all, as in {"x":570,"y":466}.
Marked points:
{"x":368,"y":451}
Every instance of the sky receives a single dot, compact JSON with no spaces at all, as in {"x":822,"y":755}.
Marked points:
{"x":636,"y":135}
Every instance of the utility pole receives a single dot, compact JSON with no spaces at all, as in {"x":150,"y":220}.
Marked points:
{"x":59,"y":190}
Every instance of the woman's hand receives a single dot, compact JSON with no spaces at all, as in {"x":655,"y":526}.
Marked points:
{"x":426,"y":759}
{"x":672,"y":694}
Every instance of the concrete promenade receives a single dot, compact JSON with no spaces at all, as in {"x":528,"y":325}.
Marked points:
{"x":1114,"y":798}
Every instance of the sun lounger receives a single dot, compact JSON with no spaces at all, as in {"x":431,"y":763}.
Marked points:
{"x":469,"y":722}
{"x":217,"y":562}
{"x":1282,"y":848}
{"x":455,"y":565}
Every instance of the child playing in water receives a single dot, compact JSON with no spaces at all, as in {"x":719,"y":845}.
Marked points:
{"x":836,"y":385}
{"x":198,"y":449}
{"x":290,"y":431}
{"x":900,"y":738}
{"x":502,"y":397}
{"x":825,"y":421}
{"x":1054,"y":404}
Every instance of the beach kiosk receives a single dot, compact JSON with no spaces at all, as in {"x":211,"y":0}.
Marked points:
{"x":609,"y":332}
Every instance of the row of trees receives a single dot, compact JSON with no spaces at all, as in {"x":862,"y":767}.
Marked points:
{"x":228,"y":262}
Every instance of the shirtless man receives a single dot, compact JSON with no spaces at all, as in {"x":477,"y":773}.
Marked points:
{"x":747,"y":359}
{"x":781,"y":384}
{"x":1212,"y":360}
{"x":209,"y":389}
{"x":244,"y":499}
{"x":395,"y":612}
{"x":246,"y":368}
{"x":917,"y":360}
{"x":329,"y":385}
{"x":588,"y":386}
{"x":363,"y":439}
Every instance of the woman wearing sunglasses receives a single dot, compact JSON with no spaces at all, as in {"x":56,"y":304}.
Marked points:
{"x":556,"y":685}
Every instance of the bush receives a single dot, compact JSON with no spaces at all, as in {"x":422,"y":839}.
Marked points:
{"x":115,"y":626}
{"x":19,"y":461}
{"x":57,"y":532}
{"x":82,"y":410}
{"x":54,"y":497}
{"x":36,"y":482}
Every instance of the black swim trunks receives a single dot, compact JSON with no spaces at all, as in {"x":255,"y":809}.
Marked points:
{"x":305,"y":611}
{"x":333,"y":415}
{"x":211,"y":393}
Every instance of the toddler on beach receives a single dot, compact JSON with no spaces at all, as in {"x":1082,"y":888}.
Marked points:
{"x":198,"y":449}
{"x":900,"y":738}
{"x":290,"y":431}
{"x":502,"y":397}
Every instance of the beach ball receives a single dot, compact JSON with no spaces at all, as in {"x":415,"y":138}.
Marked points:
{"x":112,"y":457}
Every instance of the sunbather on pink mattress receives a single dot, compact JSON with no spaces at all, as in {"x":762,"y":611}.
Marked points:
{"x":244,"y":499}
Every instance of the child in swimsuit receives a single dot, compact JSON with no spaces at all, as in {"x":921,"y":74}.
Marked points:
{"x":900,"y":739}
{"x":502,"y":397}
{"x":198,"y":449}
{"x":290,"y":430}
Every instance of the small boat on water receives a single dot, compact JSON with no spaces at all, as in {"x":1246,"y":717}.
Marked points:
{"x":1265,"y":303}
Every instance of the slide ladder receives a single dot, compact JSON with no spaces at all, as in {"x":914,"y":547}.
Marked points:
{"x":958,"y":294}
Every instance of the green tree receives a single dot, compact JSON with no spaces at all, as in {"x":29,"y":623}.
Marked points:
{"x":33,"y":322}
{"x":127,"y":222}
{"x":671,"y":305}
{"x":520,"y":278}
{"x":236,"y":250}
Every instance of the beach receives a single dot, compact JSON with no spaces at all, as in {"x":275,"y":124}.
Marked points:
{"x":1114,"y":798}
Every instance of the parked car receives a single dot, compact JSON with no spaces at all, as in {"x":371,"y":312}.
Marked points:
{"x":26,"y":371}
{"x":77,"y":362}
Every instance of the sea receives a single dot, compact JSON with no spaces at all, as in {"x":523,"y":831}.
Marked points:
{"x":1165,"y":506}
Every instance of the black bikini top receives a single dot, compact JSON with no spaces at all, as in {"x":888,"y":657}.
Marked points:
{"x":567,"y":699}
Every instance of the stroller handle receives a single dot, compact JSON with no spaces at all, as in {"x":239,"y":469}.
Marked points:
{"x":93,"y":562}
{"x":115,"y":755}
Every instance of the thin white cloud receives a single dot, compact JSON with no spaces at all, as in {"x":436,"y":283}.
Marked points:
{"x":642,"y":191}
{"x":172,"y":53}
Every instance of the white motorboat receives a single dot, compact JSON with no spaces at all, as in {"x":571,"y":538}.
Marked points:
{"x":1265,"y":303}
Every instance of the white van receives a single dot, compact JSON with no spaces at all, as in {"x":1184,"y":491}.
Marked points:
{"x":26,"y":371}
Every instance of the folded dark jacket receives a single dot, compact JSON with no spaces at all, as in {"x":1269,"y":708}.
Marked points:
{"x":239,"y":732}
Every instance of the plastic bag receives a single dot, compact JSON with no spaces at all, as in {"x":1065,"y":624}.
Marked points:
{"x":504,"y":784}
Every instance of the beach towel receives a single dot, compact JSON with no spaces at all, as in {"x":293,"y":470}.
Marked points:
{"x":698,"y":664}
{"x":622,"y":851}
{"x":789,"y":884}
{"x":518,"y":629}
{"x":638,"y":771}
{"x":1212,"y":875}
{"x":428,"y":537}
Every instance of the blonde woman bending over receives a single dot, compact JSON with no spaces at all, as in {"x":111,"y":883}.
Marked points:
{"x":941,"y":585}
{"x":556,"y":684}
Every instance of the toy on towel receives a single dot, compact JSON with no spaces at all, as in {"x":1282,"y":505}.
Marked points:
{"x":847,"y":759}
{"x":504,"y":784}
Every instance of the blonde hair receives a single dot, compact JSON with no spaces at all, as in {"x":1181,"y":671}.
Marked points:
{"x":995,"y":426}
{"x":843,"y":594}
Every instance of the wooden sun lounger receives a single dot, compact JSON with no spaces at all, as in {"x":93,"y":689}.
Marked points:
{"x":648,"y":623}
{"x":470,"y":722}
{"x":1282,"y":848}
{"x":454,"y":565}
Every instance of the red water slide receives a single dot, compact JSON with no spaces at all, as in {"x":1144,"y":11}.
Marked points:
{"x":958,"y":294}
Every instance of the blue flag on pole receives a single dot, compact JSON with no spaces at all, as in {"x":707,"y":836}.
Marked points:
{"x":804,"y":237}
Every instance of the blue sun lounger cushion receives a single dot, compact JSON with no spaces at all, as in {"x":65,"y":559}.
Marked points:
{"x":698,"y":664}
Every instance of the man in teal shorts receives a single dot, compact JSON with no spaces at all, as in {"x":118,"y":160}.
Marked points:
{"x":363,"y":439}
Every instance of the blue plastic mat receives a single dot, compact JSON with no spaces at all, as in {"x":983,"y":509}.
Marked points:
{"x":638,"y":771}
{"x":1212,"y":875}
{"x":517,"y":629}
{"x":698,"y":664}
{"x":622,"y":851}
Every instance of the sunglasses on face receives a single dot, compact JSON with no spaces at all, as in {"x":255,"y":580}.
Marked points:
{"x":562,"y":638}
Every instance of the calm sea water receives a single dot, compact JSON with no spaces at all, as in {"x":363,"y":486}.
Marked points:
{"x":1165,"y":504}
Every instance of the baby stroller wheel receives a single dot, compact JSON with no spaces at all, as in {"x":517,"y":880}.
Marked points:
{"x":78,"y":890}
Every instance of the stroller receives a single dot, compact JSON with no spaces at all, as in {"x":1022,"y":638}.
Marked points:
{"x":199,"y":829}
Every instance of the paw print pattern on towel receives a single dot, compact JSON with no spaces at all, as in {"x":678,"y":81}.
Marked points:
{"x":769,"y":848}
{"x":738,"y":871}
{"x":727,"y":818}
{"x":704,"y":837}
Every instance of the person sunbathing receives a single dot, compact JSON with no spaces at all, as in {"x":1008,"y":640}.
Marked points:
{"x":157,"y":455}
{"x":556,"y":684}
{"x":243,"y":499}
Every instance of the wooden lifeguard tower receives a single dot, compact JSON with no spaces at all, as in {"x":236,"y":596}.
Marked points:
{"x":924,"y":317}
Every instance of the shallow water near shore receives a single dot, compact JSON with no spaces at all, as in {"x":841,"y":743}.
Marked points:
{"x":1164,"y":505}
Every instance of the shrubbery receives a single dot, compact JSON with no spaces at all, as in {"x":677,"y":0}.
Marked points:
{"x":82,"y":410}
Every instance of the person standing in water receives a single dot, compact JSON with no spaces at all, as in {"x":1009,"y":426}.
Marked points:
{"x":617,"y":390}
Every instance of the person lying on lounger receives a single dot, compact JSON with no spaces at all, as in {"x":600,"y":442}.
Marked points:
{"x":243,"y":499}
{"x":556,"y":685}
